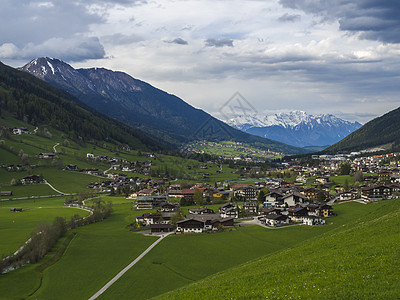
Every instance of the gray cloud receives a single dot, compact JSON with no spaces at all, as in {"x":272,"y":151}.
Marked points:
{"x":219,"y":42}
{"x":289,"y":18}
{"x":72,"y":49}
{"x":49,"y":28}
{"x":178,"y":41}
{"x":372,"y":19}
{"x":121,"y":39}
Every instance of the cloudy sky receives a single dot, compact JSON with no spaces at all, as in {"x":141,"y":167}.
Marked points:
{"x":320,"y":56}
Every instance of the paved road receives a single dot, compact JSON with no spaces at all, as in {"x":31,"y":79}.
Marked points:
{"x":107,"y":170}
{"x":120,"y":274}
{"x":53,"y":188}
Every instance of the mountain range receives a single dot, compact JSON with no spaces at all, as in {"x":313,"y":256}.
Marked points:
{"x":297,"y":128}
{"x":138,"y":104}
{"x":35,"y":102}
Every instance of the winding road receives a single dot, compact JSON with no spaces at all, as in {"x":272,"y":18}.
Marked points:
{"x":54,"y":147}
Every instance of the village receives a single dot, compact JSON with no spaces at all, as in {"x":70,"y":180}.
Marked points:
{"x":293,"y":192}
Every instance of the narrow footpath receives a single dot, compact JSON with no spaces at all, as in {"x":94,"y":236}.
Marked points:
{"x":120,"y":274}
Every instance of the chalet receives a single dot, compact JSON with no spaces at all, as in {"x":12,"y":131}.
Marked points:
{"x":31,"y":179}
{"x":319,"y":210}
{"x":238,"y":186}
{"x":247,"y":192}
{"x":71,"y":167}
{"x":188,"y":193}
{"x":376,"y":192}
{"x":322,"y":179}
{"x":296,"y":213}
{"x":395,"y":178}
{"x":150,"y":202}
{"x":270,"y":211}
{"x":175,"y":193}
{"x":275,"y":219}
{"x":200,"y":211}
{"x":293,"y":198}
{"x":395,"y":188}
{"x":273,"y":199}
{"x":311,"y":220}
{"x":348,"y":195}
{"x":147,"y":192}
{"x":230,"y":213}
{"x":46,"y":155}
{"x":202,"y":223}
{"x":250,"y":207}
{"x":155,"y":218}
{"x":311,"y":193}
{"x":168,"y":207}
{"x":20,"y":130}
{"x":228,"y":210}
{"x":5,"y":193}
{"x":190,"y":225}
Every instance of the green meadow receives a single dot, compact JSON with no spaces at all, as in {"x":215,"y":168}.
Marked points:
{"x":183,"y":259}
{"x":99,"y":251}
{"x":356,"y":260}
{"x":16,"y":227}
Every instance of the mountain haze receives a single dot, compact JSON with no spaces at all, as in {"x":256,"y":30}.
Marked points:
{"x":297,"y":128}
{"x":141,"y":105}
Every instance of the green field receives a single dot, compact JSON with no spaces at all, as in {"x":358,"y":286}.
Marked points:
{"x":16,"y":227}
{"x":357,"y":260}
{"x":340,"y":179}
{"x":228,"y":149}
{"x":183,"y":259}
{"x":99,"y":251}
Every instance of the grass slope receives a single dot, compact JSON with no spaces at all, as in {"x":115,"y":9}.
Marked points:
{"x":99,"y":251}
{"x":359,"y":260}
{"x":182,"y":259}
{"x":15,"y":228}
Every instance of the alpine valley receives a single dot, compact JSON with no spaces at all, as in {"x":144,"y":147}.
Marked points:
{"x":138,"y":104}
{"x":297,"y":128}
{"x":95,"y":208}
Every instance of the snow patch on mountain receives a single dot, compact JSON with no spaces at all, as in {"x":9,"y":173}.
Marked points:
{"x":296,"y":128}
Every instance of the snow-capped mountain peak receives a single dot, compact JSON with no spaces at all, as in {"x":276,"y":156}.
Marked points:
{"x":291,"y":119}
{"x":297,"y":128}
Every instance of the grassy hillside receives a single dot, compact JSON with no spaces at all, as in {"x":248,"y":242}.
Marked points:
{"x":17,"y":227}
{"x":358,"y":260}
{"x":99,"y":251}
{"x":384,"y":130}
